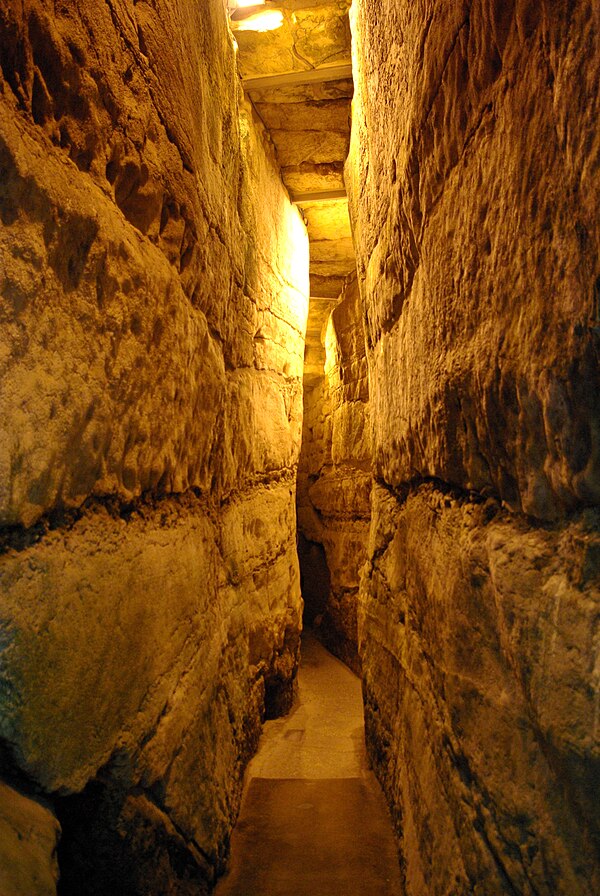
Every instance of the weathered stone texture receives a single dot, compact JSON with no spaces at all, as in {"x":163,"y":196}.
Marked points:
{"x":480,"y":652}
{"x":332,"y":256}
{"x":308,"y":121}
{"x":334,"y":479}
{"x":308,"y":38}
{"x":474,"y":175}
{"x":153,"y":299}
{"x":28,"y":838}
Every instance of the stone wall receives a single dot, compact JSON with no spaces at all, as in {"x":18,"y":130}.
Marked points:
{"x":153,"y":294}
{"x":473,"y":175}
{"x":334,"y":480}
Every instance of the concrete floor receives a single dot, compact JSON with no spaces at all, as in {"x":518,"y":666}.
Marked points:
{"x":313,"y":819}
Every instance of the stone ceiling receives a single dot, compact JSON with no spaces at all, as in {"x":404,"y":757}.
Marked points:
{"x":299,"y":79}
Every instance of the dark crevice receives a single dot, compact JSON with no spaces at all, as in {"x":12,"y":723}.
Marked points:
{"x":315,"y":580}
{"x":19,"y":538}
{"x":116,"y":839}
{"x":15,"y":777}
{"x":490,"y":498}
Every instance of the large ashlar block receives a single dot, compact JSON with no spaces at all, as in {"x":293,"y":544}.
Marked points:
{"x":310,"y":35}
{"x":480,"y":659}
{"x":171,"y":604}
{"x":474,"y":203}
{"x":153,"y":302}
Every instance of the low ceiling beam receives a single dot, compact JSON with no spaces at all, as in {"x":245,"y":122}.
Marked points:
{"x":291,"y":79}
{"x":318,"y":196}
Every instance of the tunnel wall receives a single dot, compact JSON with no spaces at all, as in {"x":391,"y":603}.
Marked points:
{"x":334,"y":479}
{"x":154,"y":286}
{"x":473,"y":177}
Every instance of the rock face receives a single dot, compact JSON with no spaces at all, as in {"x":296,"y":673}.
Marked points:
{"x":154,"y":291}
{"x":474,"y":175}
{"x":28,"y":839}
{"x":334,"y":480}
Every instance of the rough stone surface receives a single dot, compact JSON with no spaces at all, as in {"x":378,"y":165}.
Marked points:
{"x":154,"y":286}
{"x":480,"y":651}
{"x":312,"y":34}
{"x":332,"y":256}
{"x":28,"y":837}
{"x":334,"y":478}
{"x":309,"y":123}
{"x":473,"y":175}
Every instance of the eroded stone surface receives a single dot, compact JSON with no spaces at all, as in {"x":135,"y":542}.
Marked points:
{"x":334,"y":478}
{"x":473,"y":181}
{"x":479,"y":644}
{"x":310,"y":36}
{"x":28,"y":837}
{"x":474,"y":198}
{"x":154,"y":293}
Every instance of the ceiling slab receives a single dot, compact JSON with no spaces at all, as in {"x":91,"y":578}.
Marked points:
{"x":299,"y":79}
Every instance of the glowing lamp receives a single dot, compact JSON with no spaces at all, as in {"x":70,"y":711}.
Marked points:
{"x":268,"y":20}
{"x":250,"y":15}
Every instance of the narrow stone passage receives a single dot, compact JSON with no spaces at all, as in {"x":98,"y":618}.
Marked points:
{"x":313,"y":820}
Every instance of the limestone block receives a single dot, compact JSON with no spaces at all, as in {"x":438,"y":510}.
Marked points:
{"x":473,"y":185}
{"x":318,"y":178}
{"x":342,"y":492}
{"x":322,"y":33}
{"x":331,"y":117}
{"x":325,"y":284}
{"x":179,"y":599}
{"x":479,"y":645}
{"x":333,"y":251}
{"x":153,"y":302}
{"x":261,"y":427}
{"x":313,"y":147}
{"x":84,"y":343}
{"x":115,"y":346}
{"x":29,"y":835}
{"x":309,"y":92}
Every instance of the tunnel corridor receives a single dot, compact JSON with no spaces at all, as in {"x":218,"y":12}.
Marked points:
{"x":299,"y":447}
{"x":313,"y":819}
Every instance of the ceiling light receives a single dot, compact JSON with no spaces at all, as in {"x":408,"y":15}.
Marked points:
{"x":251,"y":15}
{"x":266,"y":20}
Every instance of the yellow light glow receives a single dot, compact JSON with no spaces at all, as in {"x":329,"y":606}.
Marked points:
{"x":268,"y":20}
{"x":242,"y":4}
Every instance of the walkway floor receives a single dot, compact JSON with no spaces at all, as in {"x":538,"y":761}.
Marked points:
{"x":313,"y":820}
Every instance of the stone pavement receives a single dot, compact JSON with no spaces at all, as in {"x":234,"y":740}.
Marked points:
{"x":313,"y":819}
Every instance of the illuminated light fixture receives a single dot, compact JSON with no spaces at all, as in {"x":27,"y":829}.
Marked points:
{"x":250,"y":15}
{"x":268,"y":20}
